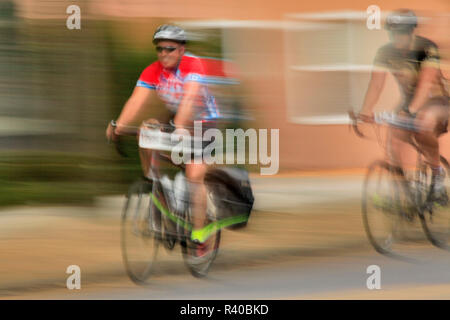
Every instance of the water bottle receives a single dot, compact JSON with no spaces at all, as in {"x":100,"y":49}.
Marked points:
{"x":168,"y":191}
{"x":181,"y":192}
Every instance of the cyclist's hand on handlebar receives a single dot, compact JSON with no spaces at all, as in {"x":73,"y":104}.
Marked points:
{"x":110,"y":133}
{"x":366,"y":117}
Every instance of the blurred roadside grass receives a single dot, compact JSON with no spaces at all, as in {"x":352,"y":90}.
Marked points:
{"x":63,"y":178}
{"x":44,"y":177}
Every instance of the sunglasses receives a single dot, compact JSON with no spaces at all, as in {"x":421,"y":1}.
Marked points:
{"x":160,"y":49}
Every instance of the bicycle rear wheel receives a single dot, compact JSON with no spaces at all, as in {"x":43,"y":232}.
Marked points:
{"x":139,"y":240}
{"x":435,"y":215}
{"x":383,"y":203}
{"x":199,"y":266}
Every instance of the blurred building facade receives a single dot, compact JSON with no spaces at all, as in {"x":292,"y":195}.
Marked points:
{"x":303,"y":64}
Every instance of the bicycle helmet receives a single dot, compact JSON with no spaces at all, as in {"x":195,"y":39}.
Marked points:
{"x":401,"y":20}
{"x":169,"y":32}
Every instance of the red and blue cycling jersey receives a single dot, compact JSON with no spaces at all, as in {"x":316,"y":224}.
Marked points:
{"x":169,"y":85}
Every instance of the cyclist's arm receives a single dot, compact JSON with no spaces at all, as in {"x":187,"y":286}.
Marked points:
{"x":427,"y":77}
{"x":185,"y":110}
{"x":376,"y":84}
{"x":139,"y":99}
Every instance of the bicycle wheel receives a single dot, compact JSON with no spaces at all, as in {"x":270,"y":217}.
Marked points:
{"x":383,"y":203}
{"x":435,"y":215}
{"x":199,"y":266}
{"x":139,"y":240}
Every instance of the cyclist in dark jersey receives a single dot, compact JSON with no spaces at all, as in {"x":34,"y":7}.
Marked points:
{"x":414,"y":62}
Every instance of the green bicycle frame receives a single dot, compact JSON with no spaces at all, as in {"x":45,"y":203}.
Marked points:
{"x":204,"y":233}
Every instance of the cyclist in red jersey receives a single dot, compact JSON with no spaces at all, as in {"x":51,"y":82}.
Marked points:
{"x":178,"y":79}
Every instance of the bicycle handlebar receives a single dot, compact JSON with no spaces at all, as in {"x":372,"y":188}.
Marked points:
{"x":117,"y":141}
{"x":354,"y":124}
{"x":405,"y":123}
{"x":389,"y":119}
{"x":159,"y":137}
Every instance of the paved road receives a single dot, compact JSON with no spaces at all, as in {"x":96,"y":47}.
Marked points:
{"x":333,"y":277}
{"x":304,"y":241}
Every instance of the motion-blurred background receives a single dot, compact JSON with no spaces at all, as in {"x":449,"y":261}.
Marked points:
{"x":301,"y":66}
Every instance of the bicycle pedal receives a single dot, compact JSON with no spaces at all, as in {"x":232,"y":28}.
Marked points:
{"x":169,"y":242}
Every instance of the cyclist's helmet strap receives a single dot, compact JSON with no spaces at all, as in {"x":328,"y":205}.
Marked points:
{"x":401,"y":20}
{"x":169,"y":32}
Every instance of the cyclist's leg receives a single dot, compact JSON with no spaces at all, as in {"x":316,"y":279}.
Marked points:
{"x":146,"y":161}
{"x":398,"y":142}
{"x":195,"y":174}
{"x":434,"y":119}
{"x":146,"y":154}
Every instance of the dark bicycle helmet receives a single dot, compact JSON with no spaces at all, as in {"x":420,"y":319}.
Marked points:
{"x":169,"y":32}
{"x":401,"y":20}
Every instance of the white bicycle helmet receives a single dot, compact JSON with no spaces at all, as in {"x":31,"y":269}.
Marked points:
{"x":401,"y":20}
{"x":169,"y":32}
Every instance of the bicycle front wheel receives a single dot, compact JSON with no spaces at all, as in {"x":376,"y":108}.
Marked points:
{"x":435,"y":214}
{"x":139,"y":236}
{"x":382,"y":204}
